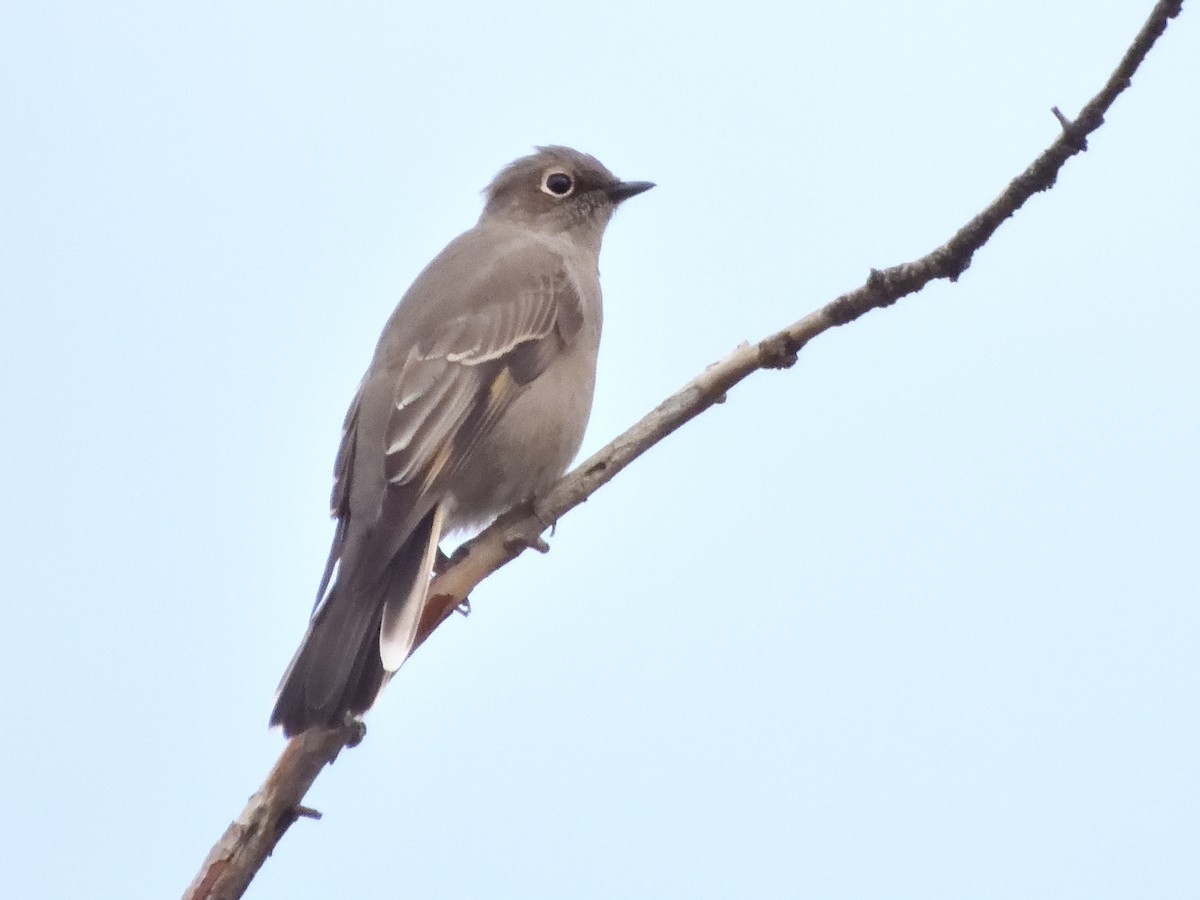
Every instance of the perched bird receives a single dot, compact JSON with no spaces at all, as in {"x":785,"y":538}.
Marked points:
{"x":476,"y":399}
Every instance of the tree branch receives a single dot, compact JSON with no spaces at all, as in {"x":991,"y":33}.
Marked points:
{"x":241,"y":851}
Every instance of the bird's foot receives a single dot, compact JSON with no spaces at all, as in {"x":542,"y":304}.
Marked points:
{"x":544,"y":520}
{"x":517,"y":542}
{"x":517,"y":537}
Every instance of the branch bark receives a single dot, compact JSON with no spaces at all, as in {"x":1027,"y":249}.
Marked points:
{"x":250,"y":839}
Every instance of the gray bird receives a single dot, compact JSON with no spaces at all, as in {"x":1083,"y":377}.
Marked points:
{"x":476,"y":399}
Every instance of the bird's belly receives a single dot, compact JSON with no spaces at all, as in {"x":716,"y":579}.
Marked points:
{"x":530,"y":447}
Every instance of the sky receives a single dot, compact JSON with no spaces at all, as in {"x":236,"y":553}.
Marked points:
{"x":918,"y":617}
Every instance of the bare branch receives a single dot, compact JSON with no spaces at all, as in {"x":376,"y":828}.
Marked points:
{"x":250,"y":838}
{"x":234,"y":860}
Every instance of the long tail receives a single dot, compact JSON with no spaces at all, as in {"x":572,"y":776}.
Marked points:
{"x":340,"y":666}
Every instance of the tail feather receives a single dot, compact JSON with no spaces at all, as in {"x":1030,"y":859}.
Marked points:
{"x":339,"y":669}
{"x":402,"y":611}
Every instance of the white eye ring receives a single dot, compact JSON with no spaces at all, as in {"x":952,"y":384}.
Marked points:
{"x":557,"y":183}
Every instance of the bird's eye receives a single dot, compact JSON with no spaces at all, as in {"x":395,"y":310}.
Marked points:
{"x":557,"y":184}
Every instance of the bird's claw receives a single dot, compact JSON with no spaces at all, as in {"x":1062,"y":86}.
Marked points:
{"x":518,"y":542}
{"x":552,"y":524}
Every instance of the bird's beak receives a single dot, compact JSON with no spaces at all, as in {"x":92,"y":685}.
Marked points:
{"x":623,"y":190}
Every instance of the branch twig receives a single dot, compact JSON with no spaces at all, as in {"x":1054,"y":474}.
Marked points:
{"x":241,"y":851}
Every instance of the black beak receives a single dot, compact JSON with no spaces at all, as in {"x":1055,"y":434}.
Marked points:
{"x":623,"y":190}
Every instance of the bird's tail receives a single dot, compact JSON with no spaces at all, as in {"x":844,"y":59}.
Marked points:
{"x":340,"y":666}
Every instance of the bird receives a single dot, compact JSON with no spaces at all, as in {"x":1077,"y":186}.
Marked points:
{"x":475,"y":400}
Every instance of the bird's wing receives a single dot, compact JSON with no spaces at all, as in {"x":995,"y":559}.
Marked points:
{"x":415,"y":421}
{"x":456,"y":384}
{"x":339,"y":502}
{"x":450,"y":394}
{"x":419,"y":414}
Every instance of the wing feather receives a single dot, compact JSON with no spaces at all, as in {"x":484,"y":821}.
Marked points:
{"x":455,"y":386}
{"x":425,"y":406}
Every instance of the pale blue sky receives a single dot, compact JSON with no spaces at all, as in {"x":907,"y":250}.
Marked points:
{"x":916,"y":618}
